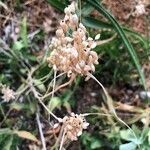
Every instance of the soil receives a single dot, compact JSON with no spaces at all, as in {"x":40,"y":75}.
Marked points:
{"x":123,"y":10}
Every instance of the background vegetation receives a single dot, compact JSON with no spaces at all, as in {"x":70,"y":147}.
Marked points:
{"x":26,"y":29}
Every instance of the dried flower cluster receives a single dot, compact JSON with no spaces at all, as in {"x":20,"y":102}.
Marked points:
{"x":140,"y":8}
{"x":8,"y":94}
{"x":72,"y":47}
{"x":73,"y":126}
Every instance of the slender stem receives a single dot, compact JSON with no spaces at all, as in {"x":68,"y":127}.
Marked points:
{"x":36,"y":95}
{"x":106,"y":41}
{"x":45,"y":77}
{"x":59,"y":119}
{"x":101,"y":114}
{"x":110,"y":105}
{"x":106,"y":93}
{"x":55,"y":72}
{"x":5,"y":117}
{"x":61,"y":86}
{"x":19,"y":92}
{"x":41,"y":131}
{"x":52,"y":81}
{"x":62,"y":141}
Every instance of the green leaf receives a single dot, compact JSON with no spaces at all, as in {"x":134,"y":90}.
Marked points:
{"x":5,"y":131}
{"x":128,"y":136}
{"x":128,"y":146}
{"x":120,"y":31}
{"x":59,"y":5}
{"x":98,"y":24}
{"x":39,"y":85}
{"x":55,"y":102}
{"x":8,"y":143}
{"x":87,"y":9}
{"x":149,"y":136}
{"x":145,"y":134}
{"x":32,"y":106}
{"x":18,"y":45}
{"x":23,"y":33}
{"x":18,"y":106}
{"x":95,"y":144}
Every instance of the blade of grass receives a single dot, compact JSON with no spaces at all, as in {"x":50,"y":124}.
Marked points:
{"x":97,"y":24}
{"x":120,"y":31}
{"x":94,"y":23}
{"x":24,"y":32}
{"x":59,"y":5}
{"x":87,"y":9}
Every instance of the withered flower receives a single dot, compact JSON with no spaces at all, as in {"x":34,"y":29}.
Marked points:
{"x":8,"y":94}
{"x":74,"y":125}
{"x":72,"y":48}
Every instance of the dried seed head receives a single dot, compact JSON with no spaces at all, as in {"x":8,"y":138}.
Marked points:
{"x":74,"y":19}
{"x":8,"y":94}
{"x":72,"y":7}
{"x":81,"y":26}
{"x":63,"y":25}
{"x":82,"y":63}
{"x":97,"y":37}
{"x":67,"y":11}
{"x":140,"y":9}
{"x":72,"y":47}
{"x":74,"y":125}
{"x":59,"y":32}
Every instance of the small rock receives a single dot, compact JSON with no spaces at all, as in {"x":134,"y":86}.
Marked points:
{"x":144,"y":95}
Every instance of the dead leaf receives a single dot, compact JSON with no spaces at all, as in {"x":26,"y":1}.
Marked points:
{"x":26,"y":135}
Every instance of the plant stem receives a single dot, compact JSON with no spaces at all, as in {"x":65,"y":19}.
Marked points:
{"x":110,"y":106}
{"x":62,"y":141}
{"x":41,"y":132}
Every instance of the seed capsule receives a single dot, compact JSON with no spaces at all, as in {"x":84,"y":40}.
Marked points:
{"x":59,"y":32}
{"x":74,"y":19}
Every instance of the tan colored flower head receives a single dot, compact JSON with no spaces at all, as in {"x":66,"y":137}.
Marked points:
{"x":72,"y":48}
{"x":140,"y":9}
{"x":74,"y":125}
{"x":8,"y":94}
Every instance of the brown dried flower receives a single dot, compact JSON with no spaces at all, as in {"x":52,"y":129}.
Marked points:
{"x":72,"y":47}
{"x":74,"y":125}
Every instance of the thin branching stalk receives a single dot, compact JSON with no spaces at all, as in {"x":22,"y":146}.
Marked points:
{"x":110,"y":105}
{"x":54,"y":83}
{"x":36,"y":95}
{"x":5,"y":117}
{"x":61,"y":86}
{"x":46,"y":76}
{"x":100,"y":114}
{"x":20,"y":92}
{"x":49,"y":86}
{"x":56,"y":145}
{"x":101,"y":42}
